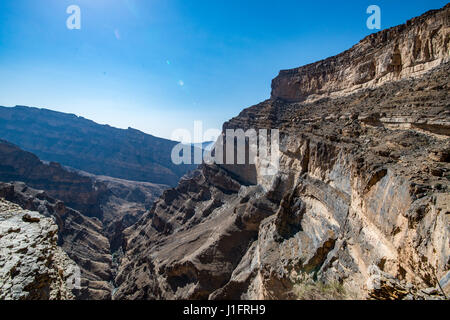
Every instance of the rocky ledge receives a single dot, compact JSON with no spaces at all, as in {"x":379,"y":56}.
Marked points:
{"x":397,"y":53}
{"x":91,"y":211}
{"x":80,"y":237}
{"x":32,"y":266}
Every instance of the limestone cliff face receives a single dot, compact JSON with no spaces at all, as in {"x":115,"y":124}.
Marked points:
{"x":403,"y":51}
{"x":358,"y":208}
{"x":85,"y":145}
{"x":32,"y":266}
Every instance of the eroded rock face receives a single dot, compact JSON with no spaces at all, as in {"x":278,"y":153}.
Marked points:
{"x":359,"y":207}
{"x":383,"y":286}
{"x":192,"y":239}
{"x":403,"y":51}
{"x":80,"y":237}
{"x":32,"y":265}
{"x":78,"y":192}
{"x":124,"y":204}
{"x":357,"y":192}
{"x":115,"y":202}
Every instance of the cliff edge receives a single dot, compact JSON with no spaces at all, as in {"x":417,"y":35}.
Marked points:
{"x":400,"y":52}
{"x":32,"y":266}
{"x":358,"y":208}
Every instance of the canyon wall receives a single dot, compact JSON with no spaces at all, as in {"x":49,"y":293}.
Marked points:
{"x":359,"y":205}
{"x":91,"y":211}
{"x":85,"y":145}
{"x":396,"y":53}
{"x":80,"y":237}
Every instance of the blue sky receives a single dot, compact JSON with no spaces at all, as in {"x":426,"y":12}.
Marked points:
{"x":159,"y":65}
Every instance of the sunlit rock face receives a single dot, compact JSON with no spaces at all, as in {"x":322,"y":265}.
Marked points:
{"x":358,"y":207}
{"x":397,"y":53}
{"x":80,"y":237}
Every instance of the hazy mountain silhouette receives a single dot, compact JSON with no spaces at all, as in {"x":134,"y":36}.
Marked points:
{"x":83,"y":144}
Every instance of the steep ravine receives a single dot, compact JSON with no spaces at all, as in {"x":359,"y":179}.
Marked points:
{"x":91,"y":211}
{"x":359,"y":207}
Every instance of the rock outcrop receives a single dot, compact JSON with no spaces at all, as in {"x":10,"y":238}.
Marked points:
{"x":359,"y":205}
{"x":125,"y":203}
{"x":80,"y":237}
{"x":32,"y":265}
{"x":396,"y":53}
{"x":115,"y":202}
{"x":191,"y":240}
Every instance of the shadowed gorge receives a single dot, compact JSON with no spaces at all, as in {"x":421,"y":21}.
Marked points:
{"x":90,"y":211}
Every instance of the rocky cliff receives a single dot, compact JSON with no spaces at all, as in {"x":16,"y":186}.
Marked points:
{"x":358,"y":208}
{"x":78,"y":192}
{"x":91,"y":211}
{"x":32,"y":266}
{"x":403,"y":51}
{"x":80,"y":237}
{"x":85,"y":145}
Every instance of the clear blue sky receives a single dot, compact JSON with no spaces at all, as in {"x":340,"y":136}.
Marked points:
{"x":158,"y":65}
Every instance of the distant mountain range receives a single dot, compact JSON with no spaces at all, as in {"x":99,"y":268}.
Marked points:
{"x":85,"y":145}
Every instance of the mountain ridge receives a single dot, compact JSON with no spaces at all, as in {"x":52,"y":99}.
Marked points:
{"x":85,"y":145}
{"x":406,"y":50}
{"x":91,"y":211}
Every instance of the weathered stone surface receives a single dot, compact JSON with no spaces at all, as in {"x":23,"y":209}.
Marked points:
{"x":192,"y":239}
{"x":90,"y":234}
{"x":95,"y":196}
{"x":383,"y":286}
{"x":349,"y":202}
{"x":79,"y":236}
{"x":123,"y":204}
{"x":32,"y":265}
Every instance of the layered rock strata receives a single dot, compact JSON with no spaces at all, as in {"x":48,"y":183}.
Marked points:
{"x":91,"y":211}
{"x":80,"y":237}
{"x":359,"y":206}
{"x":403,"y":51}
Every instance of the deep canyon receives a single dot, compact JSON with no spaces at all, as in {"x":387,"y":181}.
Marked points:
{"x":358,"y":208}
